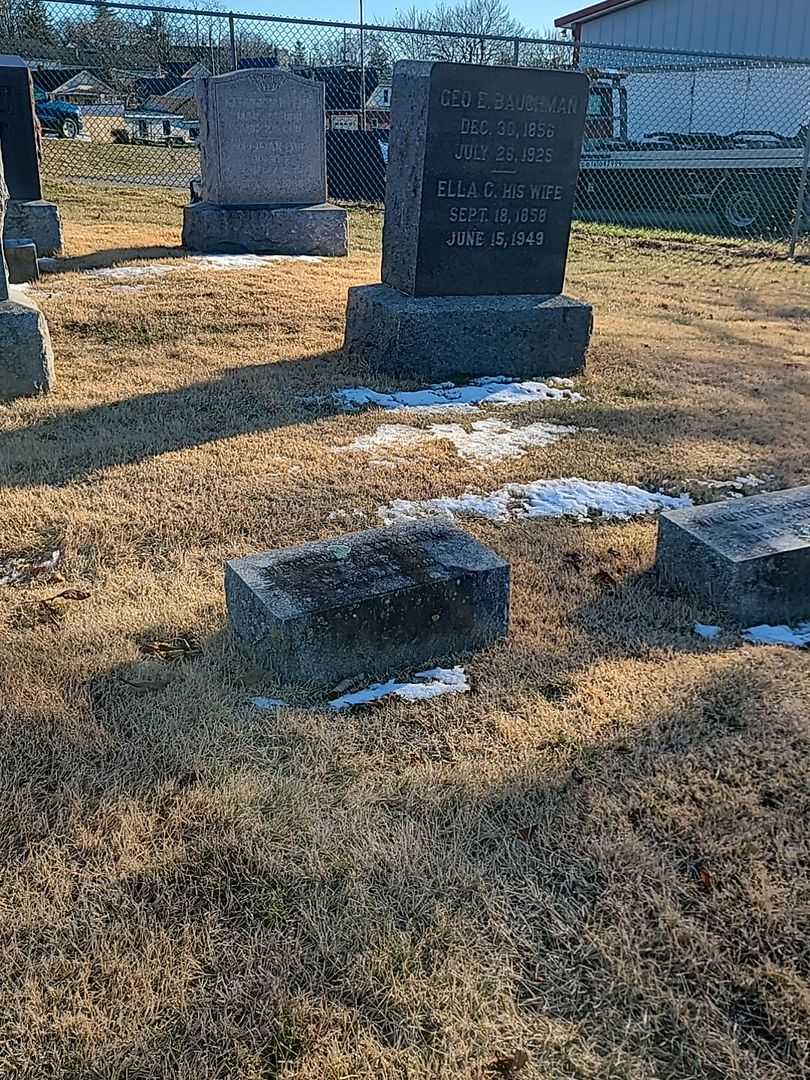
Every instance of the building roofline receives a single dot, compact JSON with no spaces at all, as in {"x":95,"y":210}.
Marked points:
{"x":594,"y":11}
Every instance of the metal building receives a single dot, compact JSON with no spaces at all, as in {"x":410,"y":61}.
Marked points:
{"x":744,"y":27}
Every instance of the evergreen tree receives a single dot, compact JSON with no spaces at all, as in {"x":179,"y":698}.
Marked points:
{"x":34,"y":23}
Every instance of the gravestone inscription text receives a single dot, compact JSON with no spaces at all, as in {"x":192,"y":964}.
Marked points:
{"x":263,"y":139}
{"x":500,"y":170}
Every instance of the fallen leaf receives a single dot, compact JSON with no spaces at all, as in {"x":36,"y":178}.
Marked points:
{"x":573,"y":559}
{"x":604,"y":577}
{"x":180,"y":648}
{"x":511,"y":1065}
{"x":146,"y":685}
{"x":71,"y":594}
{"x":703,"y":876}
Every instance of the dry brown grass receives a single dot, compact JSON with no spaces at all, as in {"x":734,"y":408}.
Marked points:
{"x":597,"y":862}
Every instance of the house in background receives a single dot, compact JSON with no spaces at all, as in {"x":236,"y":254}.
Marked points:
{"x":156,"y":126}
{"x":85,"y":88}
{"x":741,"y":27}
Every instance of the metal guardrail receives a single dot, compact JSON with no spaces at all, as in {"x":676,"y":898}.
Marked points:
{"x":674,"y":140}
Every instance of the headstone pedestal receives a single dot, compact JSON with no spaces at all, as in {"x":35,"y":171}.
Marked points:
{"x":263,"y":168}
{"x":26,"y":358}
{"x":482,"y":169}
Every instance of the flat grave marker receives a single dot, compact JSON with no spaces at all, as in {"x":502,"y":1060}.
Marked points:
{"x":749,"y":557}
{"x":367,"y":604}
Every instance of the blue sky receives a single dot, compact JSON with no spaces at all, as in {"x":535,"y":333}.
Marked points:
{"x":534,"y":14}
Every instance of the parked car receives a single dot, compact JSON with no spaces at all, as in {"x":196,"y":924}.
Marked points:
{"x":59,"y":117}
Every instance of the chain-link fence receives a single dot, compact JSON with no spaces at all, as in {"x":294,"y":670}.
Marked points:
{"x":683,"y":141}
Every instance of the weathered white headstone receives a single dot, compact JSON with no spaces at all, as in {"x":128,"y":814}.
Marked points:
{"x":262,"y":139}
{"x":749,"y":557}
{"x":26,"y":359}
{"x":263,"y":167}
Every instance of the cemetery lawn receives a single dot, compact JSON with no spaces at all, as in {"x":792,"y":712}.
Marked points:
{"x":593,"y":865}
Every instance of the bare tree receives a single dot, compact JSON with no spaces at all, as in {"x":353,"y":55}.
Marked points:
{"x":462,"y":32}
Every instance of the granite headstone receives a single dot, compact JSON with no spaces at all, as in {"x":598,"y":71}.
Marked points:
{"x":263,"y":167}
{"x":26,"y":357}
{"x":749,"y":557}
{"x":28,"y":215}
{"x":367,"y":604}
{"x":482,"y":170}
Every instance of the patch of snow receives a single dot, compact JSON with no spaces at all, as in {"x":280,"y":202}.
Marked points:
{"x":571,"y":497}
{"x":24,"y":569}
{"x":737,"y":484}
{"x":141,"y":270}
{"x":433,"y":683}
{"x":497,"y":390}
{"x":706,"y":631}
{"x":267,"y":703}
{"x":487,"y":440}
{"x":199,"y":262}
{"x":778,"y":635}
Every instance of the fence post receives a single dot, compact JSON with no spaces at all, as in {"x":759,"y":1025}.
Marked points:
{"x":232,"y":32}
{"x":516,"y":53}
{"x":362,"y":69}
{"x":801,"y":198}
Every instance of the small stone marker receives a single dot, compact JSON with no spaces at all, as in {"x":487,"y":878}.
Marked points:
{"x":482,"y":171}
{"x":26,"y":358}
{"x":21,"y":260}
{"x":263,"y":168}
{"x":28,"y":215}
{"x":367,"y":604}
{"x":749,"y":557}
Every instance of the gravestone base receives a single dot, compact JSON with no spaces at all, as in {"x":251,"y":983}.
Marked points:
{"x":266,"y":230}
{"x":21,"y":260}
{"x":37,"y":221}
{"x":448,"y":337}
{"x":368,"y":604}
{"x":748,"y":558}
{"x":26,"y":356}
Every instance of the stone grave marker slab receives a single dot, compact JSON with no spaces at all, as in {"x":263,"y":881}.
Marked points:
{"x":748,"y":557}
{"x":28,"y":215}
{"x":17,"y":130}
{"x":263,"y":168}
{"x":482,"y":171}
{"x":262,"y":139}
{"x":483,"y":187}
{"x":26,"y":357}
{"x":367,"y":604}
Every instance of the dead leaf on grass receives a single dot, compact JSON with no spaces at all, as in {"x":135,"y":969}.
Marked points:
{"x":703,"y":876}
{"x":146,"y":685}
{"x":510,"y":1065}
{"x":604,"y":577}
{"x":181,"y":648}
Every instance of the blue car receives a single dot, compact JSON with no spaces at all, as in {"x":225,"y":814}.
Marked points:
{"x":59,"y":117}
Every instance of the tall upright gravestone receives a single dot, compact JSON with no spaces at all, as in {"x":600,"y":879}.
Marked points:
{"x":28,"y":215}
{"x":26,"y":359}
{"x":482,"y":170}
{"x":263,"y":168}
